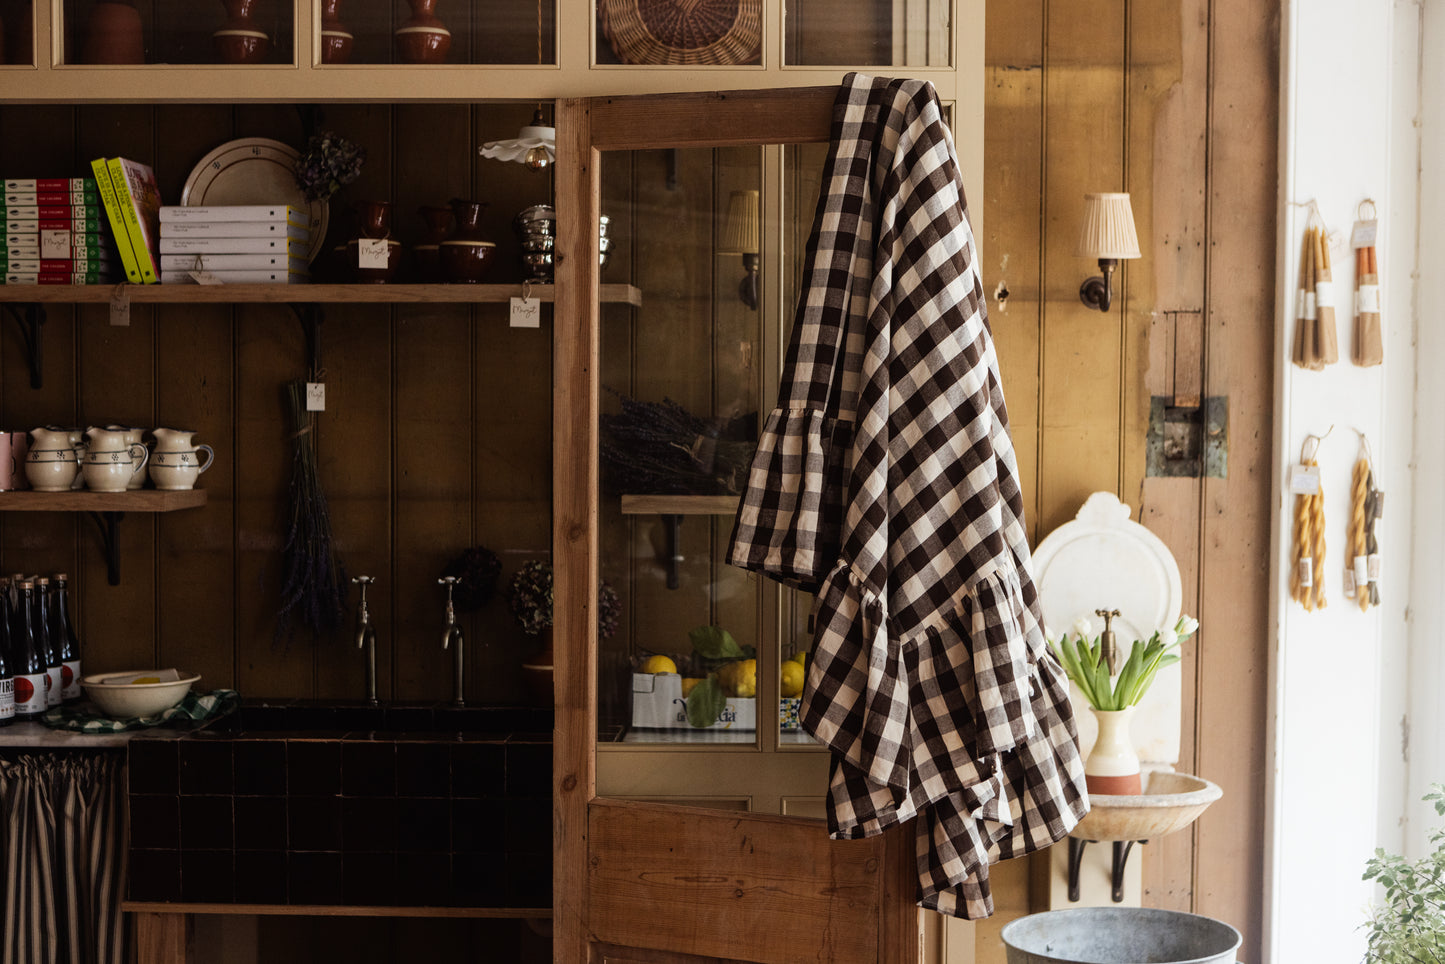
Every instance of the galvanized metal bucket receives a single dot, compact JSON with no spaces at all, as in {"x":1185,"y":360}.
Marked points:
{"x":1119,"y":935}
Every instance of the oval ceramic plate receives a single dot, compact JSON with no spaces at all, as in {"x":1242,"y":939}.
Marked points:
{"x":254,"y":170}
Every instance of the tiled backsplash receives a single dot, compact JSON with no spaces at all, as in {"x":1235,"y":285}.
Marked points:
{"x":335,"y":817}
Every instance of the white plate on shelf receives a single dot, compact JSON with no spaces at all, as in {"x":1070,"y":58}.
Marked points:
{"x":254,"y":170}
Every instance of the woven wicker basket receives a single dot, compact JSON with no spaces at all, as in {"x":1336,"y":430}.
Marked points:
{"x":687,"y":32}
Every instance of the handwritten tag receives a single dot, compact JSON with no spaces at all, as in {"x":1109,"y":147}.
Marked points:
{"x":204,"y":277}
{"x":1306,"y":572}
{"x":120,"y":311}
{"x":1364,"y":234}
{"x":526,"y":313}
{"x":371,"y":253}
{"x":1304,"y":479}
{"x":55,"y":243}
{"x":315,"y":396}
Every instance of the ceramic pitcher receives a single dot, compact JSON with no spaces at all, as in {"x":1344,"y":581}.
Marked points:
{"x":176,"y":462}
{"x":110,"y":461}
{"x":132,"y":438}
{"x":50,"y":463}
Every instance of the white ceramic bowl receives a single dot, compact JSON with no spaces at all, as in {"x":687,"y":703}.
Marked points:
{"x":127,"y":700}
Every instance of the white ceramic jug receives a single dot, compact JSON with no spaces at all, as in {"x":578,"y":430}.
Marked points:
{"x":110,"y":461}
{"x":176,"y":462}
{"x":50,"y":464}
{"x":132,"y":438}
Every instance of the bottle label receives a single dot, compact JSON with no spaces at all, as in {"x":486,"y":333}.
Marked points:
{"x":52,"y":686}
{"x":70,"y":679}
{"x":30,"y":694}
{"x":7,"y":698}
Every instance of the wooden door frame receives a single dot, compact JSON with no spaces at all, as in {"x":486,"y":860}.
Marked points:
{"x":585,"y":127}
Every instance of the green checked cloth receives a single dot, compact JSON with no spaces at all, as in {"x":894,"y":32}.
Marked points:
{"x":190,"y":711}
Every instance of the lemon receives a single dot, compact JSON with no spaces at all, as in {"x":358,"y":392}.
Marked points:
{"x":659,"y":664}
{"x":688,"y":682}
{"x":145,"y":679}
{"x":740,"y":678}
{"x":792,"y":679}
{"x":800,"y":657}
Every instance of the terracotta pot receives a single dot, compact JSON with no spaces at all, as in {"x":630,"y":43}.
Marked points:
{"x":336,"y":40}
{"x":538,"y":673}
{"x":423,"y":38}
{"x":239,"y":41}
{"x":466,"y":257}
{"x":1112,"y":768}
{"x":113,"y":35}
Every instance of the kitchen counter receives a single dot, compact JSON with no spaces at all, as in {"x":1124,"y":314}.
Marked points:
{"x":31,"y":735}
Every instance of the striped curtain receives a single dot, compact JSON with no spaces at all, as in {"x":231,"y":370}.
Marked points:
{"x":62,"y":837}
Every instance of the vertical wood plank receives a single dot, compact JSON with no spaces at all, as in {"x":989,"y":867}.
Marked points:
{"x":162,"y":938}
{"x":1239,"y":340}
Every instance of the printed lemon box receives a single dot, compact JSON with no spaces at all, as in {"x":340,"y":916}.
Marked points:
{"x":657,"y":704}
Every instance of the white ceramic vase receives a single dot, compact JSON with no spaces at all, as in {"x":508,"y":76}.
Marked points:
{"x":1112,"y":768}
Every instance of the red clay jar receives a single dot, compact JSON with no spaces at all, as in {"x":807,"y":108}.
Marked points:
{"x":336,"y":40}
{"x":466,"y":256}
{"x":113,"y":35}
{"x":423,"y":39}
{"x":238,"y":41}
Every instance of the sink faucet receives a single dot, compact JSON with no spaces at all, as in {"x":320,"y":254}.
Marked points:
{"x":366,"y":637}
{"x":453,"y":631}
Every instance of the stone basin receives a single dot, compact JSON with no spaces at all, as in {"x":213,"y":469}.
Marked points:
{"x":1170,"y":802}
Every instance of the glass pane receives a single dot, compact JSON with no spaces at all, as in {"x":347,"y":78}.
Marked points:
{"x":869,"y":33}
{"x":440,"y":32}
{"x":17,"y":45}
{"x":681,"y":399}
{"x":179,"y":32}
{"x":700,"y":33}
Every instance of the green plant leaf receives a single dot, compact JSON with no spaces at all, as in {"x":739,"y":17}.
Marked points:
{"x":706,"y":702}
{"x":715,"y":642}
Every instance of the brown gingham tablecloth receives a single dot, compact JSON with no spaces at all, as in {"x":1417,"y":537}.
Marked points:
{"x":885,"y":481}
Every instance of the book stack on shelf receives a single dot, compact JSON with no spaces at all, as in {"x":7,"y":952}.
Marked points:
{"x":132,"y":203}
{"x":54,"y":233}
{"x":236,"y":244}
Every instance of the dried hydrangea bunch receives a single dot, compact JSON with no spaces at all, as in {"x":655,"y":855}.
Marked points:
{"x":329,"y":163}
{"x":530,"y":599}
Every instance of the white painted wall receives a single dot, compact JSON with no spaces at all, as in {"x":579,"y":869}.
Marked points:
{"x":1349,"y":90}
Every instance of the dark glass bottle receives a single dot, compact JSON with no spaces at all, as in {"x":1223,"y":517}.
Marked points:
{"x":62,"y":631}
{"x":7,"y":679}
{"x":28,"y":655}
{"x":40,"y":618}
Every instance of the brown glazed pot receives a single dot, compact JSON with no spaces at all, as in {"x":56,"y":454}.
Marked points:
{"x":423,"y":39}
{"x":466,"y":256}
{"x":113,"y":35}
{"x":336,"y":40}
{"x":239,"y":41}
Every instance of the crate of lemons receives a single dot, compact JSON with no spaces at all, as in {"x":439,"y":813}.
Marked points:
{"x":718,"y":674}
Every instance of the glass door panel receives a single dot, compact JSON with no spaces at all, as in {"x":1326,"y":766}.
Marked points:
{"x":869,"y":33}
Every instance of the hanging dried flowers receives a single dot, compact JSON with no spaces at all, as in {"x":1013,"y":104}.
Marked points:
{"x":328,"y":164}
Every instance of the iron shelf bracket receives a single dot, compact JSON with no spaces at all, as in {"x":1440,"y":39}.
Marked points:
{"x":31,"y":323}
{"x":107,"y":522}
{"x":1122,"y":849}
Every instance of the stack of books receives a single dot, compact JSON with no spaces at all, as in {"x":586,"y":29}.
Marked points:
{"x":236,"y":244}
{"x":132,"y":204}
{"x":54,"y":233}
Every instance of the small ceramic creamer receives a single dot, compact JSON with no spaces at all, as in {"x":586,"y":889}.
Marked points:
{"x":110,"y":461}
{"x":50,"y":463}
{"x":176,"y":461}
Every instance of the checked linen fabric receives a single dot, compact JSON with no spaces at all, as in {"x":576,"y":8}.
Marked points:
{"x":885,"y":481}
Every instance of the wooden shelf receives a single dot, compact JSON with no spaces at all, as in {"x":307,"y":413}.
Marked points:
{"x":330,"y":910}
{"x":294,"y":294}
{"x":139,"y":500}
{"x":679,"y":504}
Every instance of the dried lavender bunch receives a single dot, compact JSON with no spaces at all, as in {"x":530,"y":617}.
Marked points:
{"x":660,"y":448}
{"x":328,"y":164}
{"x":313,"y":579}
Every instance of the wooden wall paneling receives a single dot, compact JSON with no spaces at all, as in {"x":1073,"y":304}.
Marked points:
{"x":673,"y":345}
{"x":39,"y":142}
{"x":1084,"y":137}
{"x":432,"y":425}
{"x":1011,"y":246}
{"x":117,"y":385}
{"x":195,"y":389}
{"x":1239,"y":342}
{"x":354,"y":440}
{"x":1168,"y":92}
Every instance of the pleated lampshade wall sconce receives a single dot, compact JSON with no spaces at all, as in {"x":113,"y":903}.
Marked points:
{"x":1108,"y":235}
{"x":741,"y":235}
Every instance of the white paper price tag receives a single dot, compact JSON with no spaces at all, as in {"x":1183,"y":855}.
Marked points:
{"x":1364,"y":234}
{"x":1349,"y":584}
{"x":1338,"y":242}
{"x":371,"y":253}
{"x":120,"y":309}
{"x":55,"y":243}
{"x":526,"y":313}
{"x":1304,"y":479}
{"x":1307,"y":572}
{"x":315,"y":396}
{"x":204,"y":277}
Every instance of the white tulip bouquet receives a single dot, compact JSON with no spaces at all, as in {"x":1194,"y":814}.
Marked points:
{"x":1084,"y":660}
